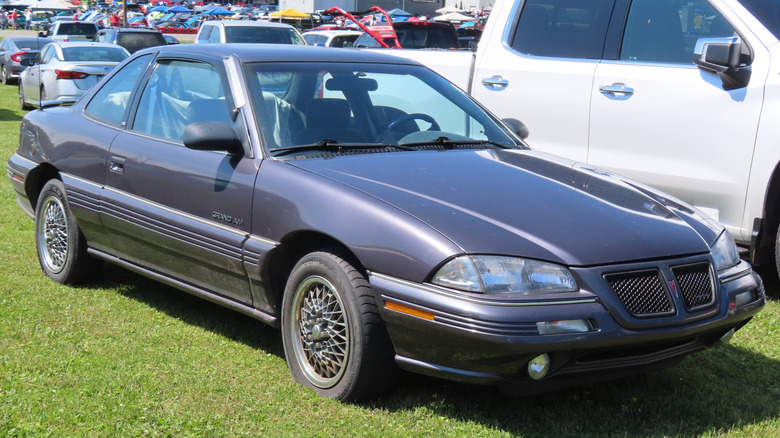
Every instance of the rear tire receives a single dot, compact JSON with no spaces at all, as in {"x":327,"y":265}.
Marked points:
{"x":22,"y":104}
{"x":62,"y":249}
{"x":3,"y":75}
{"x":334,"y":340}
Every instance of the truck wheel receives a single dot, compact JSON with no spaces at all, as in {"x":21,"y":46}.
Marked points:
{"x":62,"y":249}
{"x":334,"y":340}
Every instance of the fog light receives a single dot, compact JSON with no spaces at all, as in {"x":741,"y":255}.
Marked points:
{"x":562,"y":327}
{"x":727,"y":337}
{"x":539,"y":366}
{"x":743,"y":298}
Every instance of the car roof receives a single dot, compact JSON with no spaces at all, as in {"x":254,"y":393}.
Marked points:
{"x":280,"y":53}
{"x":334,"y":32}
{"x":244,"y":23}
{"x":134,"y":30}
{"x":65,"y":44}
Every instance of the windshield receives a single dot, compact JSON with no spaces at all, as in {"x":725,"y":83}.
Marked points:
{"x":365,"y":104}
{"x":767,"y":12}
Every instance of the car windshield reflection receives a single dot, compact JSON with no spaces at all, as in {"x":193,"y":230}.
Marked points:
{"x":324,"y":107}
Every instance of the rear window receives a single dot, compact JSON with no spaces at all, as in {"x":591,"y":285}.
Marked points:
{"x":268,"y":35}
{"x":30,"y":43}
{"x":427,"y":37}
{"x":105,"y":54}
{"x":137,"y":41}
{"x":78,"y":29}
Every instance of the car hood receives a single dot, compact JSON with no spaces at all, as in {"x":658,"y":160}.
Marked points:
{"x":525,"y":203}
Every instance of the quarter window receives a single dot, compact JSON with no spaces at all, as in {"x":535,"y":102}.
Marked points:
{"x":667,"y":30}
{"x":110,"y":102}
{"x":562,"y":28}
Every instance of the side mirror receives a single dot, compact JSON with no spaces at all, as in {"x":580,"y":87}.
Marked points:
{"x":212,"y":136}
{"x":43,"y":34}
{"x":723,"y":56}
{"x":27,"y":60}
{"x":517,"y":127}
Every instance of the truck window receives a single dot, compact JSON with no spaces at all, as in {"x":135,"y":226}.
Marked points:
{"x":767,"y":12}
{"x":667,"y":30}
{"x":563,"y":28}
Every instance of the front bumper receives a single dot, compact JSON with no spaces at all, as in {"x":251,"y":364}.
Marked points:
{"x":485,"y":339}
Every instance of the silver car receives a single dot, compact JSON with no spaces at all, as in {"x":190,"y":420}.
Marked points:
{"x":66,"y":70}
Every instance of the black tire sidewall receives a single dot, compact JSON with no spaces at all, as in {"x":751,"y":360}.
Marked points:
{"x":330,"y":267}
{"x":73,"y":269}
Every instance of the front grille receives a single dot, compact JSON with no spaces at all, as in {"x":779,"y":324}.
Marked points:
{"x":642,"y":292}
{"x":695,"y":285}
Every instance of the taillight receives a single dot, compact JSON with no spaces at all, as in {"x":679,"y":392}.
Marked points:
{"x":70,"y":74}
{"x":16,"y":57}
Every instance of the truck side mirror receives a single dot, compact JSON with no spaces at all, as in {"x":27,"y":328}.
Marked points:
{"x":723,"y":56}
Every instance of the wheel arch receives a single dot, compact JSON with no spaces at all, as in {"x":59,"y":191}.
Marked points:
{"x":36,"y":179}
{"x":292,"y":248}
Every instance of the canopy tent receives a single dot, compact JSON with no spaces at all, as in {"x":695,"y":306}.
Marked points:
{"x":398,"y":13}
{"x":217,"y":11}
{"x":290,"y":13}
{"x":449,"y":10}
{"x":158,"y":9}
{"x":454,"y":16}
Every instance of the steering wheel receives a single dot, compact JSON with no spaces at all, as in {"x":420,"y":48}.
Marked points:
{"x":406,"y":118}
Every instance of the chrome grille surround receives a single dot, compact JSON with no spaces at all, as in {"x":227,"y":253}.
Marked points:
{"x":655,"y":293}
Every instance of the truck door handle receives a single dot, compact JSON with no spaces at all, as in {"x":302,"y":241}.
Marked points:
{"x":116,"y":164}
{"x":617,"y":90}
{"x":496,"y":82}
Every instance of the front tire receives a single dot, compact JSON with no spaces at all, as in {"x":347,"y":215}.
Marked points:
{"x":62,"y":249}
{"x":334,"y":340}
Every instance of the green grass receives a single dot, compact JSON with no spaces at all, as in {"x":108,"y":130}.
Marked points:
{"x":128,"y":357}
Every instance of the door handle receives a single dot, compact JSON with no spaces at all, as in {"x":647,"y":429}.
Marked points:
{"x":116,"y":164}
{"x":620,"y":90}
{"x":495,"y":82}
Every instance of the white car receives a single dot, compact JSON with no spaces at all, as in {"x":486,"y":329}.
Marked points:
{"x":331,"y":38}
{"x":245,"y":31}
{"x":66,"y":70}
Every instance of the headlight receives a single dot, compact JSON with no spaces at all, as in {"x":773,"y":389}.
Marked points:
{"x":503,"y":275}
{"x":724,"y":251}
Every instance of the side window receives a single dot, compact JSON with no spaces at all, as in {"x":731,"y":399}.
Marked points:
{"x":205,"y":33}
{"x":667,"y":30}
{"x":46,"y":55}
{"x":562,"y":28}
{"x":179,"y":93}
{"x":110,"y":102}
{"x":214,"y":36}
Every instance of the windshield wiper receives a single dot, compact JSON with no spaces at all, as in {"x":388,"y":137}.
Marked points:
{"x":448,"y":143}
{"x":334,"y":146}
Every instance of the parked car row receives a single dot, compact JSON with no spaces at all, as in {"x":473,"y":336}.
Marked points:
{"x":63,"y":68}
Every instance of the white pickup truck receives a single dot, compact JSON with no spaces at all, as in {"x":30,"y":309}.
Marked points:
{"x":70,"y":31}
{"x":683,"y":95}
